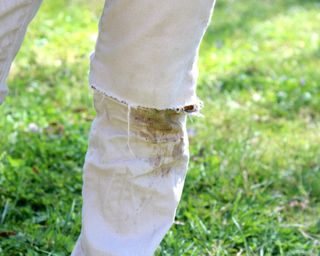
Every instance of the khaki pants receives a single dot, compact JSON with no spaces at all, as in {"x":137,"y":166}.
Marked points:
{"x":143,"y":72}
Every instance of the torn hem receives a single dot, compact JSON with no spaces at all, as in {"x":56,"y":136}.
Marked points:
{"x":191,"y":109}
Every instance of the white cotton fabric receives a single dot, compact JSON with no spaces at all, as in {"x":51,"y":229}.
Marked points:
{"x":15,"y":16}
{"x":146,"y":53}
{"x":132,"y":185}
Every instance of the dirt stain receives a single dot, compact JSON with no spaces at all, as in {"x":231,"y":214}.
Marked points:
{"x":157,"y":125}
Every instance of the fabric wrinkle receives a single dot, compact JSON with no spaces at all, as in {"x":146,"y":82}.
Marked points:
{"x":137,"y":195}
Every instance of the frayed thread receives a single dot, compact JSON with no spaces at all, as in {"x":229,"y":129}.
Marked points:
{"x":128,"y":131}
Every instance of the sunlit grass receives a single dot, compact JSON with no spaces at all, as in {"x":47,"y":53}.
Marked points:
{"x":253,"y":184}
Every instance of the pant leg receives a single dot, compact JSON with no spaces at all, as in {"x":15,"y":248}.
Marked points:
{"x":15,"y":15}
{"x":131,"y":189}
{"x":143,"y":73}
{"x":146,"y":53}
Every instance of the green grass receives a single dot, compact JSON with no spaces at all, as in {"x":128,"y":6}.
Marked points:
{"x":254,"y":180}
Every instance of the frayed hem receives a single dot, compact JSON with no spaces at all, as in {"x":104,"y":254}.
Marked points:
{"x":191,"y":109}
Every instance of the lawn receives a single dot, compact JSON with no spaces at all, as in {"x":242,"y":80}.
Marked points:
{"x":253,"y":186}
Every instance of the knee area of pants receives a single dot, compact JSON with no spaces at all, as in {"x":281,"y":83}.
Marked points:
{"x":154,"y":125}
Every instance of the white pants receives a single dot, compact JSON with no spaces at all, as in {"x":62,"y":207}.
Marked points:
{"x":144,"y":73}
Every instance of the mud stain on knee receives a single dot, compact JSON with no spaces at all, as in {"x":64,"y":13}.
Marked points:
{"x":163,"y":131}
{"x":157,"y":125}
